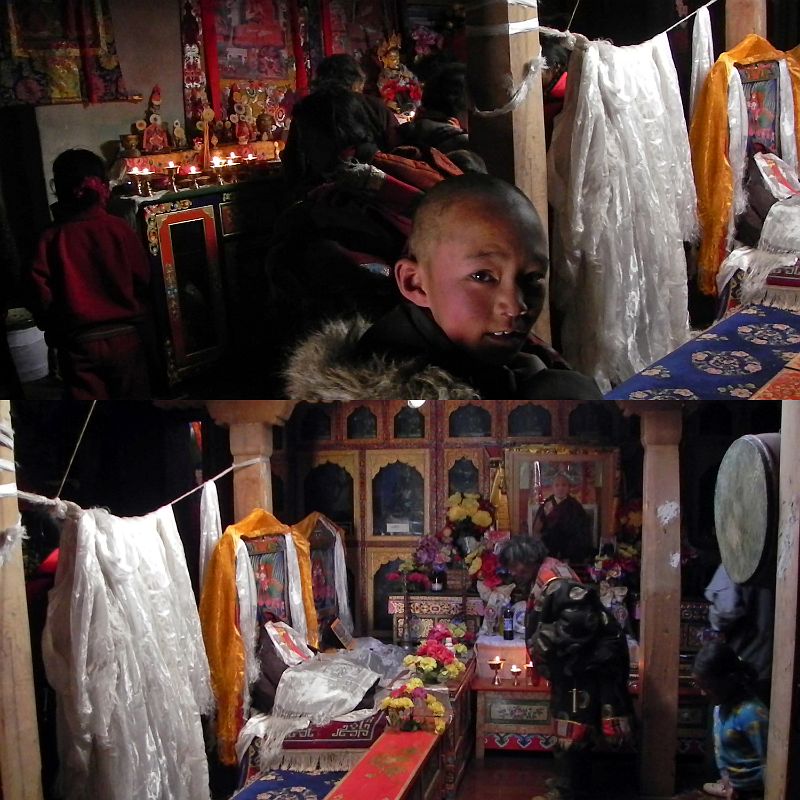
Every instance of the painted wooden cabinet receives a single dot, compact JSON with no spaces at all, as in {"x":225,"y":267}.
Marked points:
{"x":206,"y":248}
{"x":383,"y":471}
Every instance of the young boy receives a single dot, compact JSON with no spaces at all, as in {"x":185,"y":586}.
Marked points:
{"x":474,"y":284}
{"x":90,"y":287}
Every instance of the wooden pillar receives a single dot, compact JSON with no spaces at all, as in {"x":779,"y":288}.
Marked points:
{"x":250,"y":423}
{"x":512,"y":144}
{"x":20,"y":761}
{"x":743,"y":17}
{"x":661,"y":600}
{"x":783,"y":780}
{"x":252,"y":486}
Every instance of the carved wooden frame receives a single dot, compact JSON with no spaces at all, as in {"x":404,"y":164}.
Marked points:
{"x":465,"y":441}
{"x":427,"y":411}
{"x":376,"y":557}
{"x":605,"y":459}
{"x":348,"y":460}
{"x":377,"y":460}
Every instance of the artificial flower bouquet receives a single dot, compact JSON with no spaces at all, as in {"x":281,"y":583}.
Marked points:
{"x":435,"y":552}
{"x":434,"y":663}
{"x":615,"y":571}
{"x":483,"y":565}
{"x":456,"y":632}
{"x":411,"y":708}
{"x":410,"y":576}
{"x":469,"y":516}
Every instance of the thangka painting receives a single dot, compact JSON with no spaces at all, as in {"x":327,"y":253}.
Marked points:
{"x":53,"y":52}
{"x":323,"y":581}
{"x":358,"y":27}
{"x":252,"y":40}
{"x":760,"y":84}
{"x":268,"y":557}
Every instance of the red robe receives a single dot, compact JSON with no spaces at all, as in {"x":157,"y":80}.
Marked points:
{"x":90,"y":282}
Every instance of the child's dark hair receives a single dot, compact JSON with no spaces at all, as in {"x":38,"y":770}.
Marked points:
{"x":718,"y":663}
{"x":446,"y":91}
{"x":340,"y":70}
{"x":79,"y":177}
{"x":340,"y":118}
{"x":554,"y":52}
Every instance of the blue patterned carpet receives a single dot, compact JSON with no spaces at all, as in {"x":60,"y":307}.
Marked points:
{"x":283,"y":784}
{"x":733,"y":359}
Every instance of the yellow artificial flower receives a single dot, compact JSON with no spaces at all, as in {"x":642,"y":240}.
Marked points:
{"x":398,"y":703}
{"x":437,"y":709}
{"x":453,"y":500}
{"x":427,"y":663}
{"x":409,"y":661}
{"x":475,"y":566}
{"x":471,"y":507}
{"x":460,"y":648}
{"x":482,"y":519}
{"x":454,"y":669}
{"x":414,"y":683}
{"x":439,"y":726}
{"x":456,"y":513}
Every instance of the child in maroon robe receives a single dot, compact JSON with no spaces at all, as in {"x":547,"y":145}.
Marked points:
{"x":90,"y":281}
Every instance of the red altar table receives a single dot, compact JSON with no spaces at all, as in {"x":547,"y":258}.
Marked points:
{"x":399,"y":766}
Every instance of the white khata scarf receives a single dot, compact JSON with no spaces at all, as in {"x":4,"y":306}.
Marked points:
{"x":314,"y":692}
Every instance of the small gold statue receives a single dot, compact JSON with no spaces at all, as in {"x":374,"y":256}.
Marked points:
{"x":398,"y":86}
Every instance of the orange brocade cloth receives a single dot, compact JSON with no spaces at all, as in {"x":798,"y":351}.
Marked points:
{"x":709,"y":138}
{"x":389,"y":767}
{"x":218,"y":617}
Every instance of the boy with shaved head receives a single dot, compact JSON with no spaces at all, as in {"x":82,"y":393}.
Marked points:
{"x":473,"y":284}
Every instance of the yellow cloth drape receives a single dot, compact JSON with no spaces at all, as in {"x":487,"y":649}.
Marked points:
{"x":709,"y":138}
{"x":218,"y":617}
{"x":306,"y":526}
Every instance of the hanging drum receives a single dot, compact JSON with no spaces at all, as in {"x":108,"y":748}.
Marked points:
{"x":746,"y":508}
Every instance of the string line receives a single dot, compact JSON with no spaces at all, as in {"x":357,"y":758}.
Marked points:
{"x":75,"y":450}
{"x":689,"y":16}
{"x":62,"y":507}
{"x":574,"y":11}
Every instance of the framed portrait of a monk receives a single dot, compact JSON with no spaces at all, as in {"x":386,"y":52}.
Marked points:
{"x":565,"y":496}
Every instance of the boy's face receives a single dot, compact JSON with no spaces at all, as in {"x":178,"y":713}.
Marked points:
{"x":482,"y":275}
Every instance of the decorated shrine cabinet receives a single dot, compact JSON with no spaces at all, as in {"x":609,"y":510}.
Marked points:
{"x":206,"y":250}
{"x":383,"y":471}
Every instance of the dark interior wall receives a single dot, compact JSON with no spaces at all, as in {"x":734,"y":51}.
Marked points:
{"x":22,"y":183}
{"x":784,"y":23}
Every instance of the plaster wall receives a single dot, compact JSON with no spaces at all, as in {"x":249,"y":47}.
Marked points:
{"x":149,"y":48}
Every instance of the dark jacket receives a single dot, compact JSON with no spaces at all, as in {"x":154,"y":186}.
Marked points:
{"x":433,"y":131}
{"x":406,"y":355}
{"x":579,"y":647}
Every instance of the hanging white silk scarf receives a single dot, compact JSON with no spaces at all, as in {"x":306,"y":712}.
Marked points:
{"x":122,"y":648}
{"x":210,"y":526}
{"x":623,"y":189}
{"x":702,"y":55}
{"x":297,"y":608}
{"x":340,"y":568}
{"x":788,"y":134}
{"x":737,"y":148}
{"x":248,"y":624}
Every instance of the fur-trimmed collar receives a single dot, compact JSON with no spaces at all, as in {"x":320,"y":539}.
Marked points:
{"x":326,"y":367}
